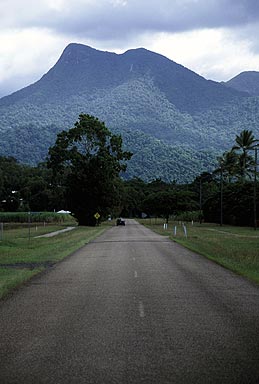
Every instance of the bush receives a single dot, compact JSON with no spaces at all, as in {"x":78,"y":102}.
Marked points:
{"x":188,"y":216}
{"x":34,"y":217}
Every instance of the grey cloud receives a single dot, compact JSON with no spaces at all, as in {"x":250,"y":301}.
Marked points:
{"x":108,"y":21}
{"x":250,"y":34}
{"x":119,"y":19}
{"x":117,"y":22}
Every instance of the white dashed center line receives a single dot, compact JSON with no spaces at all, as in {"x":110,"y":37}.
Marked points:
{"x":141,"y":309}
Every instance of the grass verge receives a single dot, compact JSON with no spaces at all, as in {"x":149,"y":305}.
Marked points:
{"x":235,"y":248}
{"x":22,"y":257}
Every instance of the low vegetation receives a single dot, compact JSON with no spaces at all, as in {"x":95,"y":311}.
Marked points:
{"x":23,"y":256}
{"x":235,"y":248}
{"x":36,"y":217}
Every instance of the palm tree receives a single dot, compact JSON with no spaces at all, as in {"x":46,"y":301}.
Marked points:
{"x":228,"y":165}
{"x":227,"y":169}
{"x":244,"y":143}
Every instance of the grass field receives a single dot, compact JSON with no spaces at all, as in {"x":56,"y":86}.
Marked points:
{"x":23,"y":255}
{"x":236,"y":248}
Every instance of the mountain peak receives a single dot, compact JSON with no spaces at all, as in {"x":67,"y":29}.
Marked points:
{"x":74,"y":52}
{"x":137,"y":51}
{"x":82,"y":69}
{"x":165,"y":113}
{"x":247,"y":81}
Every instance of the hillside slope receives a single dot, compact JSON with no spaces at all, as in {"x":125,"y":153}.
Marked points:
{"x":82,"y":69}
{"x":173,"y":120}
{"x":245,"y":82}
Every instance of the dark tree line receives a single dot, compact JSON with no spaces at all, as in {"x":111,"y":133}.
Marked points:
{"x":25,"y":188}
{"x":235,"y":199}
{"x":82,"y":174}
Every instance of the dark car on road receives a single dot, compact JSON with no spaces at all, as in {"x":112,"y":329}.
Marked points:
{"x":120,"y":221}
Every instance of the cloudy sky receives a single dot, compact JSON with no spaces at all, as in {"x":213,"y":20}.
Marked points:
{"x":216,"y":38}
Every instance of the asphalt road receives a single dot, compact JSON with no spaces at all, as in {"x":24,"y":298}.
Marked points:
{"x":131,"y":307}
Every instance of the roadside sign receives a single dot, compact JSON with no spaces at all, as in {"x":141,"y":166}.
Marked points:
{"x":97,"y":215}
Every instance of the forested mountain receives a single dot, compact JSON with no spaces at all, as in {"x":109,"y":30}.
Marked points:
{"x":174,"y":121}
{"x":247,"y":81}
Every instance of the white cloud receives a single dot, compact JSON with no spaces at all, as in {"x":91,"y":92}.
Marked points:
{"x":215,"y":54}
{"x":25,"y":55}
{"x":118,"y":3}
{"x":56,"y":5}
{"x":215,"y":38}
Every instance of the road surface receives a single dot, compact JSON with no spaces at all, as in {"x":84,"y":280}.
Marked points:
{"x":132,"y":307}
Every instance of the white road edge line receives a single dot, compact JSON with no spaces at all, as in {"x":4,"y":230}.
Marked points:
{"x":135,"y":274}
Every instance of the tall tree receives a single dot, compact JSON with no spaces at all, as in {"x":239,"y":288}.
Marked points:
{"x":228,"y":165}
{"x":86,"y":162}
{"x":245,"y":142}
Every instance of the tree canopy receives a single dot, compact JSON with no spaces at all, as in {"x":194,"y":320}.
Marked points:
{"x":245,"y":142}
{"x":84,"y":172}
{"x":87,"y":161}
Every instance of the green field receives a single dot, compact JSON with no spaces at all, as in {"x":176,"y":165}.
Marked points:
{"x":22,"y":255}
{"x":235,"y":248}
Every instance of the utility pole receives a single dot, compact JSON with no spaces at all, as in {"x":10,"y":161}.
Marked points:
{"x":255,"y":182}
{"x":221,"y":195}
{"x":200,"y":200}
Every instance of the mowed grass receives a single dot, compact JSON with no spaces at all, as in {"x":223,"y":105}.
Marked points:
{"x":22,"y":255}
{"x":235,"y":248}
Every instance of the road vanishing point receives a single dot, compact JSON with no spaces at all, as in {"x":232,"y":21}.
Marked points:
{"x":131,"y":307}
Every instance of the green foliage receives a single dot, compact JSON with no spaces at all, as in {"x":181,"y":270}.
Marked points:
{"x":245,"y":142}
{"x":26,"y":188}
{"x":237,"y":204}
{"x":236,"y":248}
{"x":20,"y":259}
{"x":88,"y":159}
{"x":173,"y":121}
{"x":188,"y":216}
{"x":228,"y":165}
{"x":166,"y":203}
{"x":34,"y":217}
{"x":134,"y":193}
{"x":247,"y":81}
{"x":84,"y":178}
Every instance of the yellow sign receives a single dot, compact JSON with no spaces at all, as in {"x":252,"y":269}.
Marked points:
{"x":97,"y":215}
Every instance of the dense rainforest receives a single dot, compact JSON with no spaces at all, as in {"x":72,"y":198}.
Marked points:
{"x":174,"y":121}
{"x":227,"y":195}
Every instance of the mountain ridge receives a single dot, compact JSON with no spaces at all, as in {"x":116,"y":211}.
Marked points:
{"x":247,"y":81}
{"x":159,"y":107}
{"x":106,"y":69}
